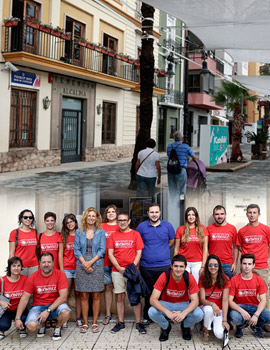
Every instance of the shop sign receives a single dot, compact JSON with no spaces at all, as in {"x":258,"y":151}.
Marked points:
{"x":218,"y":144}
{"x":25,"y":79}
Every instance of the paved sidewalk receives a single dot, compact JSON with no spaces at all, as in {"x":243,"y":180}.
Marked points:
{"x":128,"y":338}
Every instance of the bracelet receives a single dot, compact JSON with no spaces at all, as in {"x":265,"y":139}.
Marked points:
{"x":17,"y":318}
{"x":224,"y":321}
{"x":256,"y":315}
{"x":211,"y":304}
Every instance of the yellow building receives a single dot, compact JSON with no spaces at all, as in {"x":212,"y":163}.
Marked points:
{"x":252,"y":107}
{"x":70,"y":93}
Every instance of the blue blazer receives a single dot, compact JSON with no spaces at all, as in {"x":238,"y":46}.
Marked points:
{"x":98,"y":245}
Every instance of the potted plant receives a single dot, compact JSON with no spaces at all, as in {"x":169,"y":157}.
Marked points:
{"x":82,"y":42}
{"x":11,"y":21}
{"x":137,"y":62}
{"x":57,"y":31}
{"x":98,"y":47}
{"x":260,"y":139}
{"x":90,"y":45}
{"x":32,"y":22}
{"x":66,"y":36}
{"x":46,"y":28}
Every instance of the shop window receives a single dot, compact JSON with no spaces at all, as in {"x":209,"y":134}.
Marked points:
{"x":73,"y":50}
{"x":22,"y":118}
{"x":109,"y":65}
{"x":108,"y":122}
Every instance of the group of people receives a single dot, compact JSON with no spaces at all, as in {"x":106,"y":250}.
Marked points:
{"x":199,"y":283}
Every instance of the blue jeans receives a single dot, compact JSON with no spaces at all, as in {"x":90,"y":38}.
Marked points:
{"x":144,"y":183}
{"x":107,"y":275}
{"x":177,"y":183}
{"x":6,"y":319}
{"x":227,"y":270}
{"x":238,"y":320}
{"x":159,"y":317}
{"x":37,"y":309}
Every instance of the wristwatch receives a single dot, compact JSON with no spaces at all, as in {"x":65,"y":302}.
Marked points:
{"x":49,"y":310}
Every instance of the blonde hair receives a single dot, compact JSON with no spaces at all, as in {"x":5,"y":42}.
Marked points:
{"x":84,"y":218}
{"x":198,"y":227}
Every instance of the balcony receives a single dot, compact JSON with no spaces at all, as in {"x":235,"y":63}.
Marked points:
{"x":171,"y":97}
{"x":55,"y":52}
{"x":173,"y":46}
{"x":202,"y":100}
{"x":214,"y":64}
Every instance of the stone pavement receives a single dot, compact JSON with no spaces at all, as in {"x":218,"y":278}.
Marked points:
{"x":128,"y":338}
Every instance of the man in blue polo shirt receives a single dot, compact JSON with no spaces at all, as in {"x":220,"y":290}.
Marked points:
{"x":158,"y":237}
{"x":177,"y":182}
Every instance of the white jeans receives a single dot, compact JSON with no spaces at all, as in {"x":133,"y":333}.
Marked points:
{"x":194,"y":269}
{"x":209,"y":317}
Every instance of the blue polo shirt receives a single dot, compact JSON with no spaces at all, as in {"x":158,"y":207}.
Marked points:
{"x":183,"y":151}
{"x":156,"y":239}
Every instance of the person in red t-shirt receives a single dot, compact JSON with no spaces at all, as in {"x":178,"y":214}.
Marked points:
{"x":13,"y":289}
{"x":110,"y":226}
{"x":214,"y":294}
{"x":192,"y":242}
{"x":254,"y":238}
{"x":48,"y":240}
{"x":125,"y":248}
{"x":23,"y":242}
{"x":222,"y":238}
{"x":67,"y":260}
{"x":243,"y":299}
{"x":173,"y":300}
{"x":50,"y":289}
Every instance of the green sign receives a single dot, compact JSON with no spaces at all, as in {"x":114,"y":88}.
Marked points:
{"x":218,"y":144}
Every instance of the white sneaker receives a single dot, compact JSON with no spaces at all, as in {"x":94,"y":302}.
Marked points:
{"x":23,"y":333}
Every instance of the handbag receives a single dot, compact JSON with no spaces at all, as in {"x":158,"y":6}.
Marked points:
{"x":3,"y":298}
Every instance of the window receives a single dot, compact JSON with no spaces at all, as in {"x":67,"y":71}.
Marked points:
{"x":109,"y":65}
{"x":173,"y":126}
{"x":72,"y":49}
{"x":22,"y":118}
{"x":194,"y":83}
{"x":108,"y":122}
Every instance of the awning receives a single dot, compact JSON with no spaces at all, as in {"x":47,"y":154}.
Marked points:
{"x":259,"y":84}
{"x":222,"y":119}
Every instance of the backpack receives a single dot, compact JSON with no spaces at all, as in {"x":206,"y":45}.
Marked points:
{"x":173,"y":165}
{"x":168,"y":275}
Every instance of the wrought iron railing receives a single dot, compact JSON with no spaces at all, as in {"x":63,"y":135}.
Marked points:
{"x":173,"y":45}
{"x":172,"y":96}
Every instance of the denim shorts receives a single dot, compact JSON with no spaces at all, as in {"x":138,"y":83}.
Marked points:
{"x":107,"y":275}
{"x":70,"y":273}
{"x":37,"y":309}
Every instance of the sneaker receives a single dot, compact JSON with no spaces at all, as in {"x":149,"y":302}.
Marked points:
{"x":164,"y":334}
{"x":79,"y":323}
{"x":2,"y":336}
{"x":141,"y":328}
{"x":266,"y":328}
{"x":65,"y":325}
{"x":23,"y":333}
{"x":146,"y":322}
{"x":257,"y":331}
{"x":239,"y":332}
{"x":57,"y":333}
{"x":186,"y":332}
{"x":118,"y":327}
{"x":41,"y":332}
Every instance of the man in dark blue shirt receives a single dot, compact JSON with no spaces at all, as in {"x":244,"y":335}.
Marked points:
{"x":177,"y":182}
{"x":158,"y":237}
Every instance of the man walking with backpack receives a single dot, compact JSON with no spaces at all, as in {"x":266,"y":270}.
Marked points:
{"x":175,"y":297}
{"x":178,"y":153}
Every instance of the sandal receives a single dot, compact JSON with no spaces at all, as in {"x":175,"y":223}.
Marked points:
{"x":107,"y":320}
{"x":84,"y":328}
{"x":95,"y":328}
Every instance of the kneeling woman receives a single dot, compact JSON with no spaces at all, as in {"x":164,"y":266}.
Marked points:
{"x":214,"y":295}
{"x":13,"y":289}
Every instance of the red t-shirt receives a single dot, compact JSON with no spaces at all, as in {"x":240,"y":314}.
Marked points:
{"x":14,"y":291}
{"x":45,"y":288}
{"x":192,"y":251}
{"x":216,"y":296}
{"x":69,"y":258}
{"x":246,"y":291}
{"x":125,"y":245}
{"x":26,"y":247}
{"x":109,"y":229}
{"x":255,"y":240}
{"x":49,"y":244}
{"x":176,"y":292}
{"x":221,"y":240}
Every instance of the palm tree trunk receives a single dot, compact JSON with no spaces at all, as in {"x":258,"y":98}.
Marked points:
{"x":146,"y":85}
{"x":266,"y":120}
{"x":237,"y":134}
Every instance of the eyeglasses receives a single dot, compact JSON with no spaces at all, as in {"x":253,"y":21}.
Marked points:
{"x":28,"y":217}
{"x":213,"y":265}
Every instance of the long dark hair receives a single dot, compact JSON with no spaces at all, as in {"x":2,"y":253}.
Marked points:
{"x":65,"y":230}
{"x":198,"y":227}
{"x":221,"y":277}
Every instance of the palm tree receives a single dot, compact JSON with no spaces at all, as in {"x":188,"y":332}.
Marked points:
{"x":232,"y":95}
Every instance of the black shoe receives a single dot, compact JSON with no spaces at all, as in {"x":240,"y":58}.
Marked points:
{"x":141,"y":328}
{"x":186,"y":332}
{"x":164,"y":335}
{"x":146,"y":322}
{"x":239,"y":332}
{"x":57,"y":333}
{"x":118,"y":327}
{"x":41,"y":332}
{"x":257,"y":331}
{"x":266,"y":328}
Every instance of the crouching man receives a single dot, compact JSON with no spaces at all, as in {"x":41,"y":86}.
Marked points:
{"x":50,"y":289}
{"x":175,"y":296}
{"x":246,"y":309}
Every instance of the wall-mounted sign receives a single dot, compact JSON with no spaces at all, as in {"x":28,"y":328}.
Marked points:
{"x":25,"y":79}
